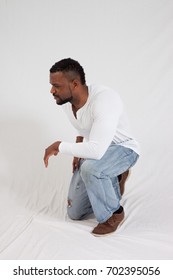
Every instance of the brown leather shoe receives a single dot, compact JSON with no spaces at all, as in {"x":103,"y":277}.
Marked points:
{"x":122,"y":179}
{"x":109,"y":226}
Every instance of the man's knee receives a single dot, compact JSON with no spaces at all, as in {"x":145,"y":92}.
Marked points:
{"x":72,"y":211}
{"x":87,"y":168}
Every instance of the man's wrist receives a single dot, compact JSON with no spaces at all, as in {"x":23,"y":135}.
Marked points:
{"x":57,"y":145}
{"x":79,"y":139}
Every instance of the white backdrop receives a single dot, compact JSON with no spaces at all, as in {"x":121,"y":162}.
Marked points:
{"x":123,"y":44}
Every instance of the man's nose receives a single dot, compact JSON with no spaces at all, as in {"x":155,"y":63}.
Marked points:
{"x":52,"y":90}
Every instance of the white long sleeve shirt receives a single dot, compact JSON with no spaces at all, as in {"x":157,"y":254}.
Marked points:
{"x":100,"y":121}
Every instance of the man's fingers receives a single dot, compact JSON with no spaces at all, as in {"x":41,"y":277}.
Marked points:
{"x":75,"y":166}
{"x":47,"y":156}
{"x":46,"y":159}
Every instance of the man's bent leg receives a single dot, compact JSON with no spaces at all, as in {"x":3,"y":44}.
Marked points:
{"x":97,"y":175}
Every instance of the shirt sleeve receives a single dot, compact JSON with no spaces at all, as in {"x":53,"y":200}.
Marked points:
{"x":106,"y":111}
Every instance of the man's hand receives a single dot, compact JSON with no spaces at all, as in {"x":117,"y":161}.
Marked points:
{"x":52,"y":150}
{"x":75,"y":164}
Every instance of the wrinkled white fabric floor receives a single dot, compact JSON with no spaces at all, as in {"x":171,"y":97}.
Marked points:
{"x":45,"y":234}
{"x":145,"y":234}
{"x":33,"y":220}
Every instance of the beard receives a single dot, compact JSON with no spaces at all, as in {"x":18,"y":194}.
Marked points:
{"x":60,"y":101}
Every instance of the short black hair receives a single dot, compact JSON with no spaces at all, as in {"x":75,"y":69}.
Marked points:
{"x":69,"y":65}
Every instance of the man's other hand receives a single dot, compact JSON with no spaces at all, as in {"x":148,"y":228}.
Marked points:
{"x":52,"y":150}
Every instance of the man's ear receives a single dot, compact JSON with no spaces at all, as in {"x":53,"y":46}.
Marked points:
{"x":75,"y":83}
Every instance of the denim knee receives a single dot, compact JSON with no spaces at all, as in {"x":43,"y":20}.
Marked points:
{"x":87,"y":168}
{"x":73,"y":213}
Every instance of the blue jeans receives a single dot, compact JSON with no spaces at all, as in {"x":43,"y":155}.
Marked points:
{"x":94,"y":185}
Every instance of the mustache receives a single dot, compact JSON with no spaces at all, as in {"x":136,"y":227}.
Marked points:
{"x":55,"y":95}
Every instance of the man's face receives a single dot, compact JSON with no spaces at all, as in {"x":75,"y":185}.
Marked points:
{"x":61,"y":88}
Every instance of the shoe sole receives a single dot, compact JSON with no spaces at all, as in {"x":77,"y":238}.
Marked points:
{"x":106,"y":234}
